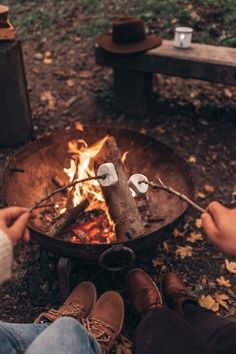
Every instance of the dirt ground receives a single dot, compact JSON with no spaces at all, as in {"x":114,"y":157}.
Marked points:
{"x":196,"y":119}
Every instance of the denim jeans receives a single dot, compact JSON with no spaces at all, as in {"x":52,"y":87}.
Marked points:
{"x":65,"y":335}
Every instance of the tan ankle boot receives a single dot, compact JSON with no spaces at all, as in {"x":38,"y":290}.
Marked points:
{"x":78,"y":305}
{"x":106,"y":320}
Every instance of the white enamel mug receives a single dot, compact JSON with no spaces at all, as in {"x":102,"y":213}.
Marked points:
{"x":183,"y":37}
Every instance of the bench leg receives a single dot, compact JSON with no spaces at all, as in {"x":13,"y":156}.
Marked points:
{"x":133,"y":91}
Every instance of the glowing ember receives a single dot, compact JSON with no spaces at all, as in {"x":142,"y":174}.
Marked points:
{"x":101,"y":228}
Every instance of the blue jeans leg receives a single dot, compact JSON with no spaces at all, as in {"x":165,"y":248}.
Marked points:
{"x":15,"y":338}
{"x":65,"y":335}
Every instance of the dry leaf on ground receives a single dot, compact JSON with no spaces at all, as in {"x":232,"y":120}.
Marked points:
{"x":201,"y":195}
{"x":198,"y":223}
{"x":208,"y":188}
{"x":178,"y":233}
{"x":192,"y":159}
{"x":223,"y":282}
{"x":48,"y":97}
{"x":194,"y":236}
{"x":184,"y":251}
{"x":158,"y":262}
{"x":214,"y":302}
{"x":230,"y":266}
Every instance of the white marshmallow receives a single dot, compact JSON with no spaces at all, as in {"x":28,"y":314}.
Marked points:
{"x":138,"y":188}
{"x":109,"y":170}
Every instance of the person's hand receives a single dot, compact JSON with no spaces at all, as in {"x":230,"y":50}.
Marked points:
{"x":219,"y":224}
{"x":13,"y":221}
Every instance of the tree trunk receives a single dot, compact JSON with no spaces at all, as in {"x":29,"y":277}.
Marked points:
{"x":15,"y":114}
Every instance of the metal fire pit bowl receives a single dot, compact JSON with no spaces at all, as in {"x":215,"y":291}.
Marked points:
{"x":28,"y":175}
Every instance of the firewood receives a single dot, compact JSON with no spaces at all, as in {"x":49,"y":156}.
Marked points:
{"x":121,"y":204}
{"x":67,"y":219}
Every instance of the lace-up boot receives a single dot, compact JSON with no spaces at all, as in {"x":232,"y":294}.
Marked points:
{"x":106,"y":320}
{"x":78,"y":305}
{"x":176,"y":293}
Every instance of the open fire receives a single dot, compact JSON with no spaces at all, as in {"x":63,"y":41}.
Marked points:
{"x":95,"y":225}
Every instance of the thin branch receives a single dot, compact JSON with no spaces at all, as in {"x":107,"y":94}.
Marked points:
{"x":168,"y":189}
{"x":61,"y":189}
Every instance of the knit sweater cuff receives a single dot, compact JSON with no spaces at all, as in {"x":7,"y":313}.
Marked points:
{"x":6,"y":251}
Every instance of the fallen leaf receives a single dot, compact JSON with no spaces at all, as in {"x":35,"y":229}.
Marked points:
{"x":158,"y":262}
{"x":222,"y":299}
{"x":192,"y":159}
{"x":223,"y":282}
{"x":50,"y":99}
{"x":234,"y":191}
{"x":208,"y":188}
{"x":230,"y":266}
{"x":165,"y":246}
{"x":198,"y":223}
{"x":85,"y":74}
{"x":47,"y":61}
{"x":228,"y":93}
{"x":194,"y":236}
{"x":201,"y":195}
{"x":70,"y":83}
{"x":178,"y":233}
{"x":184,"y":251}
{"x":79,"y":126}
{"x":209,"y":303}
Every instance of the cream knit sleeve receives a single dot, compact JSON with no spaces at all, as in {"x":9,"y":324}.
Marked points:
{"x":6,"y":251}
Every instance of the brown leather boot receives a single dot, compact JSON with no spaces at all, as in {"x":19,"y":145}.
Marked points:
{"x":78,"y":305}
{"x":143,"y":292}
{"x":106,"y":320}
{"x":176,"y":293}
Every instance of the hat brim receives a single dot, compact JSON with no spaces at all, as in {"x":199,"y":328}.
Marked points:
{"x":150,"y":41}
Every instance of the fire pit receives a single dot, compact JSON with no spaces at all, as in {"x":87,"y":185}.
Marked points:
{"x":48,"y":162}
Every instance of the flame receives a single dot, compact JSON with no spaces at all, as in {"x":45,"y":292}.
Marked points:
{"x":82,"y":166}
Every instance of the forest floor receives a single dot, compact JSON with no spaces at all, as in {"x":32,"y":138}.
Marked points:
{"x":196,"y":119}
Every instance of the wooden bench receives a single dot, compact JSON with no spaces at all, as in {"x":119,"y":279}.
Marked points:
{"x":133,"y":73}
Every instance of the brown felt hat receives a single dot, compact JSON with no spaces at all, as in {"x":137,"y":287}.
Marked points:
{"x":128,"y":36}
{"x":4,"y":13}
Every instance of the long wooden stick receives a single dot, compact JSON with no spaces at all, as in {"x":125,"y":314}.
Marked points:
{"x":71,"y":184}
{"x":169,"y":189}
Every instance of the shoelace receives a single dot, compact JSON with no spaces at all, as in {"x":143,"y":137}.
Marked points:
{"x":100,"y":330}
{"x":73,"y":310}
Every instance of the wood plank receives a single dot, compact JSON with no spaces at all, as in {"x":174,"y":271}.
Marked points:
{"x":203,"y":62}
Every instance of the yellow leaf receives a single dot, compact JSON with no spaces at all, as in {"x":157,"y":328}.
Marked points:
{"x":70,"y":82}
{"x":178,"y":233}
{"x":194,"y":236}
{"x":198,"y":223}
{"x":208,"y":188}
{"x":223,"y":282}
{"x":221,"y":299}
{"x":157,"y":262}
{"x":47,"y":61}
{"x":184,"y":251}
{"x":165,"y":246}
{"x":79,"y":126}
{"x":201,"y":195}
{"x":192,"y":159}
{"x":207,"y":301}
{"x":230,"y":266}
{"x":234,"y":191}
{"x":50,"y":99}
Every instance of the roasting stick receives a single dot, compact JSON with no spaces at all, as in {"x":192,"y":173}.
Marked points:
{"x":168,"y":189}
{"x":61,"y":189}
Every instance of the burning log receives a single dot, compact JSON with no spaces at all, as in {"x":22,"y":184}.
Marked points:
{"x":67,"y":219}
{"x":121,"y":205}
